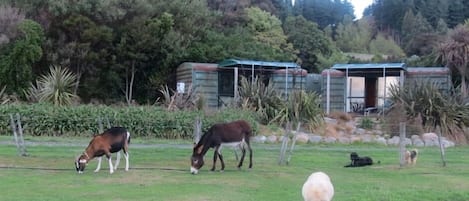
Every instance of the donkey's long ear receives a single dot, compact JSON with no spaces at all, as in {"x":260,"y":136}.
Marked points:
{"x":199,"y":150}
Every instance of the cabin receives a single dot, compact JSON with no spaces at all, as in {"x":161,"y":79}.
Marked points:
{"x":202,"y":77}
{"x":216,"y":81}
{"x":361,"y":88}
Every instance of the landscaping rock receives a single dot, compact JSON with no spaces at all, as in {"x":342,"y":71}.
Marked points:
{"x":355,"y":138}
{"x":380,"y":140}
{"x":344,"y":140}
{"x":259,"y":139}
{"x":367,"y":138}
{"x":447,"y":143}
{"x":302,"y":138}
{"x":330,"y":140}
{"x":393,"y":141}
{"x":430,"y":139}
{"x":315,"y":139}
{"x":418,"y":142}
{"x":360,"y":131}
{"x":272,"y":139}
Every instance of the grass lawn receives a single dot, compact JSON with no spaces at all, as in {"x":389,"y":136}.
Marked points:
{"x":161,"y":172}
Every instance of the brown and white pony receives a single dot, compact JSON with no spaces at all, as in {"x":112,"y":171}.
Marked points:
{"x":232,"y":133}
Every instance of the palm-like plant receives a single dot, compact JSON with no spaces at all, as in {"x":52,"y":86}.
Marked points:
{"x":305,"y":107}
{"x":174,"y":101}
{"x":424,"y":100}
{"x":455,"y":53}
{"x":271,"y":107}
{"x":3,"y":98}
{"x":261,"y":98}
{"x":57,"y":86}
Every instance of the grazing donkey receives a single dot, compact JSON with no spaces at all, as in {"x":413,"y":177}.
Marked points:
{"x":232,"y":133}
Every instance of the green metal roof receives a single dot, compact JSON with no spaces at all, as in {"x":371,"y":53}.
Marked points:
{"x":235,"y":62}
{"x":399,"y":66}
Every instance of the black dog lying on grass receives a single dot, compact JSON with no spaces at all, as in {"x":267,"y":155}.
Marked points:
{"x":357,"y":161}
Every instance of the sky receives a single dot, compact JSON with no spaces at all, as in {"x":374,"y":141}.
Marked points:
{"x":359,"y":6}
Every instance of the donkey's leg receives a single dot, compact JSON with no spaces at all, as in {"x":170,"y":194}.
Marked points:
{"x":221,"y":160}
{"x":215,"y":156}
{"x":243,"y":154}
{"x":250,"y":153}
{"x":99,"y":164}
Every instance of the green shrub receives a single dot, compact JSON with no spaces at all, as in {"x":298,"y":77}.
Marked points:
{"x":366,"y":123}
{"x":148,"y":121}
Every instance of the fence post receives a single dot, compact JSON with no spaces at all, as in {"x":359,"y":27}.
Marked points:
{"x":18,"y":134}
{"x":197,"y":129}
{"x":283,"y":148}
{"x":108,"y":122}
{"x":21,"y":139}
{"x":293,"y":142}
{"x":15,"y":134}
{"x":442,"y":148}
{"x":402,"y":134}
{"x":100,"y":125}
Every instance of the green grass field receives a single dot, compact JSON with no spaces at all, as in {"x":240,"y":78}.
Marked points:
{"x":160,"y":171}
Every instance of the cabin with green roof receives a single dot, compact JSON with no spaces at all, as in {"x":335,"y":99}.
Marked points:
{"x":216,"y":82}
{"x":361,"y":88}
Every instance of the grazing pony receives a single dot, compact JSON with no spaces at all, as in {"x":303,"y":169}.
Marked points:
{"x":232,"y":133}
{"x":357,"y":161}
{"x":112,"y":140}
{"x":318,"y":187}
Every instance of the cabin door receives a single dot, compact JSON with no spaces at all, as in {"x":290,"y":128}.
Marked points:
{"x":371,"y":92}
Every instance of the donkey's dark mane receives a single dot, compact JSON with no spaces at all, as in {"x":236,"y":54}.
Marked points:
{"x":203,"y":141}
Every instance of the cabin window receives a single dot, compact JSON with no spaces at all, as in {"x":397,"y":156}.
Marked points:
{"x":226,"y":83}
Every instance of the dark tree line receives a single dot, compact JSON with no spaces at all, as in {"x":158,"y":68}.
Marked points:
{"x":122,"y":50}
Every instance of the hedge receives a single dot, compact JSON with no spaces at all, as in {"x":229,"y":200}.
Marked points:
{"x":141,"y":121}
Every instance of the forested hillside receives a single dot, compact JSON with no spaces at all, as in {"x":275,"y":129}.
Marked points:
{"x":104,"y":45}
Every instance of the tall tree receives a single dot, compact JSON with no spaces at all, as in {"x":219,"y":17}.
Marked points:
{"x":267,"y":29}
{"x":139,"y":44}
{"x":10,"y":17}
{"x":413,"y":27}
{"x":385,"y":46}
{"x":354,"y":36}
{"x":16,"y":64}
{"x":456,"y":13}
{"x":324,"y":13}
{"x":309,"y":40}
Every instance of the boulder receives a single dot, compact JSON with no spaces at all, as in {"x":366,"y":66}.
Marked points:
{"x":315,"y":139}
{"x":380,"y":140}
{"x":393,"y":141}
{"x":430,"y":139}
{"x":418,"y":142}
{"x":367,"y":138}
{"x":272,"y":139}
{"x":259,"y":139}
{"x":302,"y":138}
{"x":344,"y":140}
{"x":330,"y":139}
{"x":355,"y":138}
